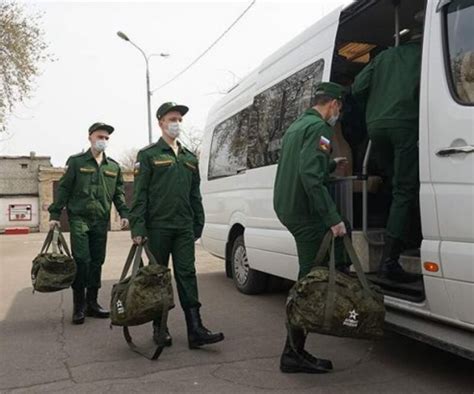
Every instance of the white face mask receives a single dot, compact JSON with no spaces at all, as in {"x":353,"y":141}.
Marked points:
{"x":333,"y":120}
{"x":174,"y":129}
{"x":100,"y":145}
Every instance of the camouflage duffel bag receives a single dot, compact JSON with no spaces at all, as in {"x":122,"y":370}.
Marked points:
{"x":330,"y":302}
{"x":146,"y":295}
{"x":53,"y":271}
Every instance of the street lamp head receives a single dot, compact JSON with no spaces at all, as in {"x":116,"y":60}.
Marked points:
{"x":164,"y":54}
{"x":123,"y":36}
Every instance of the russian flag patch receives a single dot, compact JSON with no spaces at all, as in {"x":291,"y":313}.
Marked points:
{"x":324,"y":144}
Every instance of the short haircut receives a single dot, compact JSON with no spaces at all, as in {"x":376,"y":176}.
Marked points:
{"x":322,"y":99}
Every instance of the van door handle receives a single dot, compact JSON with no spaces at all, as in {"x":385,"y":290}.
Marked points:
{"x":455,"y":150}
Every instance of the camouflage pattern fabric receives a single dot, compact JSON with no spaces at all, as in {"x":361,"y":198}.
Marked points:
{"x":53,"y":271}
{"x":143,"y":296}
{"x":330,"y":302}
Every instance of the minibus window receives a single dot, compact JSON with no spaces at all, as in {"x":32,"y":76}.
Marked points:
{"x":459,"y":30}
{"x":228,"y":155}
{"x":275,"y":109}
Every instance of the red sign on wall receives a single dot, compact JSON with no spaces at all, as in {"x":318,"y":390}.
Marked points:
{"x":20,"y":212}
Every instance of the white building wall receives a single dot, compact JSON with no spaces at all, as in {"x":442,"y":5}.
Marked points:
{"x":5,"y":219}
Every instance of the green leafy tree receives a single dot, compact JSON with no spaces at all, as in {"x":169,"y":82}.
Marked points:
{"x":22,"y":50}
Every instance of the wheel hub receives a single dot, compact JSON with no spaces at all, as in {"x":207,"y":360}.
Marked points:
{"x":241,"y":265}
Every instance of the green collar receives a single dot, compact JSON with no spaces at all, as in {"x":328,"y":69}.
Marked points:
{"x":89,"y":156}
{"x":163,"y":145}
{"x":312,"y":111}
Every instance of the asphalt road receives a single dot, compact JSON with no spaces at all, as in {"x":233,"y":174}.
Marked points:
{"x":41,"y":351}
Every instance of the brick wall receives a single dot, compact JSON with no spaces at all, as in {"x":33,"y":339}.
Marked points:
{"x":19,"y":174}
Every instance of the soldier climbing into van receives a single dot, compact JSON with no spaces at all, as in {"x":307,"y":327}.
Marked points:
{"x":303,"y":204}
{"x":389,"y":90}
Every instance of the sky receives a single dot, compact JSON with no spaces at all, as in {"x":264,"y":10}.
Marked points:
{"x":99,"y":77}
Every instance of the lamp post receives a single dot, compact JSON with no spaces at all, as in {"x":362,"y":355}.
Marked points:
{"x":124,"y":37}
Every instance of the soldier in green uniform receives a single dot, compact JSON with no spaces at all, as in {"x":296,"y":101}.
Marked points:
{"x":167,"y":210}
{"x":303,"y":204}
{"x":91,"y":184}
{"x":389,"y":90}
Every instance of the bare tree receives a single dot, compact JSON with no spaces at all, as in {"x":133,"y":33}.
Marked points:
{"x":128,"y":158}
{"x":22,"y":50}
{"x":192,"y":139}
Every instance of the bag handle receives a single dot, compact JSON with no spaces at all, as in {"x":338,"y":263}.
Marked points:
{"x":329,"y":241}
{"x":55,"y":240}
{"x":47,"y":242}
{"x":326,"y":244}
{"x":357,"y":265}
{"x":128,"y":262}
{"x":323,"y":249}
{"x":63,"y":244}
{"x":331,"y":296}
{"x":151,"y":258}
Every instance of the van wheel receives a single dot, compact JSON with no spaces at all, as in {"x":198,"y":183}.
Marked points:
{"x":247,"y":280}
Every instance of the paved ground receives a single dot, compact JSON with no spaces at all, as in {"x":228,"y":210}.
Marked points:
{"x":40,"y":351}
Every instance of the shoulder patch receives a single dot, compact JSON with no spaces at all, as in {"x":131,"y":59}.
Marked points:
{"x":324,"y":144}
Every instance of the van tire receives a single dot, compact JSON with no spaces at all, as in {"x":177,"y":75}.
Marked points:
{"x":246,"y":279}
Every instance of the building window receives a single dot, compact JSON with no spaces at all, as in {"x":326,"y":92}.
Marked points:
{"x":24,"y":166}
{"x":275,"y":109}
{"x":228,"y":155}
{"x":459,"y":31}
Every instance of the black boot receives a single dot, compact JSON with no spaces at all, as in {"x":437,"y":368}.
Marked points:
{"x":198,"y":335}
{"x":295,"y":359}
{"x":93,"y":309}
{"x":390,"y":268}
{"x":79,"y":301}
{"x":156,"y":334}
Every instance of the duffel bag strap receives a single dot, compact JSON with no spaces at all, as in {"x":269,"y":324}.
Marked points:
{"x":151,"y":258}
{"x":128,"y":262}
{"x":55,"y":240}
{"x":47,"y":242}
{"x":357,"y":265}
{"x":63,"y":244}
{"x":331,"y":296}
{"x":323,"y":249}
{"x":161,"y":335}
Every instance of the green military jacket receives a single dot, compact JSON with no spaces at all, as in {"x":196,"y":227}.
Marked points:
{"x":166,"y":190}
{"x":300,"y":193}
{"x":388,"y":87}
{"x":87,"y":190}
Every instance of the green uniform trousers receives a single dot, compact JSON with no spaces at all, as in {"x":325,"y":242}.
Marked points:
{"x":88,"y":244}
{"x":308,"y":239}
{"x":396,"y":154}
{"x":179,"y":243}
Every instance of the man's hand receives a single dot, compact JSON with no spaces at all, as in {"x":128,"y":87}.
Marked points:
{"x":53,"y":224}
{"x":339,"y":230}
{"x":341,"y":163}
{"x":137,"y":240}
{"x":124,"y":224}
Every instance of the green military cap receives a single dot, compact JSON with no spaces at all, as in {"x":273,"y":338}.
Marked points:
{"x":331,"y":89}
{"x":101,"y":126}
{"x":171,"y":106}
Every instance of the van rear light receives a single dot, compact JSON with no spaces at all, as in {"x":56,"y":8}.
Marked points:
{"x":430,"y":266}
